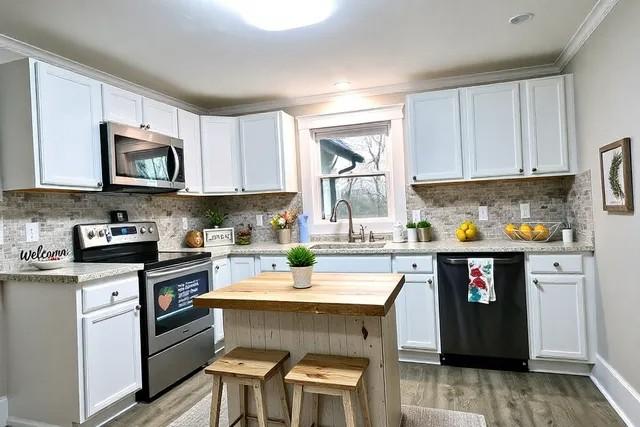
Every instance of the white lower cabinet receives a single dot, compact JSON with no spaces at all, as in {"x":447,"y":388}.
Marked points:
{"x":221,"y":278}
{"x":416,"y":308}
{"x":558,"y":316}
{"x":111,"y":342}
{"x":242,"y":267}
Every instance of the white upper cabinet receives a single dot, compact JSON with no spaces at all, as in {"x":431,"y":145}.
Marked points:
{"x":121,"y":106}
{"x":434,"y":135}
{"x":265,"y":140}
{"x":492,"y":130}
{"x":160,"y":117}
{"x":546,"y":126}
{"x":220,"y":154}
{"x":189,"y":132}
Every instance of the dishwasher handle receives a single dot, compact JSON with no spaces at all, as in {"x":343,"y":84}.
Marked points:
{"x":464,"y":261}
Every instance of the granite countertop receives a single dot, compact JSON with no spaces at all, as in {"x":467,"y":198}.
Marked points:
{"x":385,"y":248}
{"x":74,"y":272}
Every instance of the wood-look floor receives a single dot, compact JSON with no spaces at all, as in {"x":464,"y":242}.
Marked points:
{"x":504,"y":398}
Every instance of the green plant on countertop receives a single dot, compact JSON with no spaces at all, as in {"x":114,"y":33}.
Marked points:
{"x":215,"y":217}
{"x":300,"y":256}
{"x":423,"y":224}
{"x":411,"y":224}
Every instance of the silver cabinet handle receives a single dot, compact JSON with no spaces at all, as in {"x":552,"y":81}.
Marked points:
{"x":217,"y":267}
{"x":535,"y":282}
{"x":142,"y":126}
{"x":99,"y":184}
{"x":147,"y":127}
{"x":430,"y":281}
{"x":138,"y":307}
{"x":273,"y":266}
{"x":115,"y":294}
{"x":556,"y":264}
{"x":414,"y":265}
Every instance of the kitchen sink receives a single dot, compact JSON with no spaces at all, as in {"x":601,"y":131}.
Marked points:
{"x":346,"y":245}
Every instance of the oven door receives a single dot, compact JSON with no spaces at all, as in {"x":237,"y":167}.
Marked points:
{"x":170,"y":314}
{"x":140,"y":158}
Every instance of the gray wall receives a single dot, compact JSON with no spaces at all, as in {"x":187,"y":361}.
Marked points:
{"x":607,"y":87}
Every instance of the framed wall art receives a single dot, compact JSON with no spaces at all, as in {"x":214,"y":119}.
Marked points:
{"x":615,"y":174}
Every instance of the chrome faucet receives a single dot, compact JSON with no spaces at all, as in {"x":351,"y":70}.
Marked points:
{"x":334,"y":218}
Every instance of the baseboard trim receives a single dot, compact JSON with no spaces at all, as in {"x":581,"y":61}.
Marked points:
{"x":560,"y":367}
{"x":419,"y":357}
{"x":624,"y":399}
{"x":4,"y":410}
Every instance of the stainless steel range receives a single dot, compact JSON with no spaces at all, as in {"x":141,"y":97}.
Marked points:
{"x":177,"y":338}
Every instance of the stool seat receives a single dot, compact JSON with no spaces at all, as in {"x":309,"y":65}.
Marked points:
{"x":329,"y":371}
{"x":248,"y":363}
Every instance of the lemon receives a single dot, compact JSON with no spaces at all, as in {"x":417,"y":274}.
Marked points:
{"x":464,"y":226}
{"x":461,"y":234}
{"x":525,"y":227}
{"x":510,"y":229}
{"x":526,"y":232}
{"x":471,"y":233}
{"x":540,"y":232}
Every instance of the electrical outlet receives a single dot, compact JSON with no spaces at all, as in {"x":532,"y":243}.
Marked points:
{"x":32,"y":231}
{"x":483,"y":213}
{"x":185,"y":224}
{"x":415,"y":215}
{"x":259,"y":220}
{"x":525,"y":210}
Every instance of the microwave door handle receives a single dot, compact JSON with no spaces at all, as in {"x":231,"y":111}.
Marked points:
{"x":176,"y":159}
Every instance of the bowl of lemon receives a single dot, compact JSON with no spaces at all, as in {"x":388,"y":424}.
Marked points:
{"x":538,"y":232}
{"x":467,"y":232}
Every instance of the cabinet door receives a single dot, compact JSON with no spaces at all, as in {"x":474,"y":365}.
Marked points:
{"x":69,"y":114}
{"x":546,"y":125}
{"x":558,"y":317}
{"x":220,"y":156}
{"x":189,"y":132}
{"x":221,"y":278}
{"x":261,"y":152}
{"x":416,"y":313}
{"x":242,"y":268}
{"x":121,"y":106}
{"x":111,"y":356}
{"x":161,"y":118}
{"x":434,"y":135}
{"x":492,"y":130}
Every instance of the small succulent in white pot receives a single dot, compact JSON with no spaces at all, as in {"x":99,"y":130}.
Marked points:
{"x":301,"y":260}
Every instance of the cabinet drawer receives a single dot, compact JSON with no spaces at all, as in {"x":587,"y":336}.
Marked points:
{"x":555,"y":264}
{"x":273,"y":263}
{"x":414,"y":264}
{"x":109,"y":292}
{"x":418,"y":278}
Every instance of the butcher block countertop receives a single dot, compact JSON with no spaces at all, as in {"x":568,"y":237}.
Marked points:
{"x":348,"y":294}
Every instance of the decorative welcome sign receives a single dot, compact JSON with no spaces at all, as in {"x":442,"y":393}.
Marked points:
{"x":219,"y":237}
{"x":41,"y":254}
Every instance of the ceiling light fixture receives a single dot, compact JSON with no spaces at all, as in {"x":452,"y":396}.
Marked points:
{"x":280,"y":15}
{"x":521,"y":19}
{"x":342,"y":85}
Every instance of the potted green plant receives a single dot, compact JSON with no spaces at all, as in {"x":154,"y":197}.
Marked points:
{"x":412,"y":233}
{"x":281,"y":223}
{"x":424,"y":231}
{"x":301,"y":260}
{"x":215,"y":217}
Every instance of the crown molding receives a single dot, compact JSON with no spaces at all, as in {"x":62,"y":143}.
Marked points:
{"x":31,"y":51}
{"x":595,"y":17}
{"x":407,"y":87}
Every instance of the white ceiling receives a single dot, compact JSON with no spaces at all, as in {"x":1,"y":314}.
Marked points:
{"x":199,"y":52}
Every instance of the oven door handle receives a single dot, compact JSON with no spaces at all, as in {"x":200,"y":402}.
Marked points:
{"x":176,"y":159}
{"x":170,"y":270}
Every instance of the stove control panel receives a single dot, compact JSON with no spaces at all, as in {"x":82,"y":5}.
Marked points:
{"x":94,"y":235}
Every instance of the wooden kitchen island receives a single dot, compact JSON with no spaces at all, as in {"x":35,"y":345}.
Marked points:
{"x":347,"y":314}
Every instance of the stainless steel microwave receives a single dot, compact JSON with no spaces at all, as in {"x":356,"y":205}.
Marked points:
{"x":136,"y":160}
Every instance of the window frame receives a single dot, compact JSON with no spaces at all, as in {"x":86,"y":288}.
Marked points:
{"x":311,"y":170}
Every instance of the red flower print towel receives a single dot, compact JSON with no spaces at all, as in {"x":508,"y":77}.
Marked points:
{"x":481,"y":280}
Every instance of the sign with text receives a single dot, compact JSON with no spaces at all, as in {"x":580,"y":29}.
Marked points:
{"x":219,"y":237}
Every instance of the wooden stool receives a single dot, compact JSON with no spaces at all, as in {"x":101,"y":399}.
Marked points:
{"x":249,"y":367}
{"x":334,"y":376}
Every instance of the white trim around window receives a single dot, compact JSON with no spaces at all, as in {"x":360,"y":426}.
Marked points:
{"x":309,"y":165}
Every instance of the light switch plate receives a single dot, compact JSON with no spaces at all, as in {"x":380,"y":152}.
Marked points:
{"x":525,"y":210}
{"x":415,"y":215}
{"x":483,"y":213}
{"x":185,"y":224}
{"x":259,"y":220}
{"x":32,"y":231}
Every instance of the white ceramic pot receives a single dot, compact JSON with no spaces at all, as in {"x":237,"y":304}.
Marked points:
{"x":412,"y":235}
{"x":302,"y":277}
{"x":284,"y":235}
{"x":567,"y":235}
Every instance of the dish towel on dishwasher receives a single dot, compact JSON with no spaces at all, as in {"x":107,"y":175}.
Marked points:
{"x":481,"y":280}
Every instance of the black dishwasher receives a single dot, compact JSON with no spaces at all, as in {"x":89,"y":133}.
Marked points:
{"x":494,"y":335}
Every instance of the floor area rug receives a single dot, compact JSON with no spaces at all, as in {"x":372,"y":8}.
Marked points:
{"x":412,"y":416}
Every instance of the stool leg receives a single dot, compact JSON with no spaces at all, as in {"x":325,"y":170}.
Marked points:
{"x":244,"y":394}
{"x":349,"y":408}
{"x":261,"y":403}
{"x":315,"y":408}
{"x":364,"y":402}
{"x":216,"y":397}
{"x":284,"y":399}
{"x":297,"y":405}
